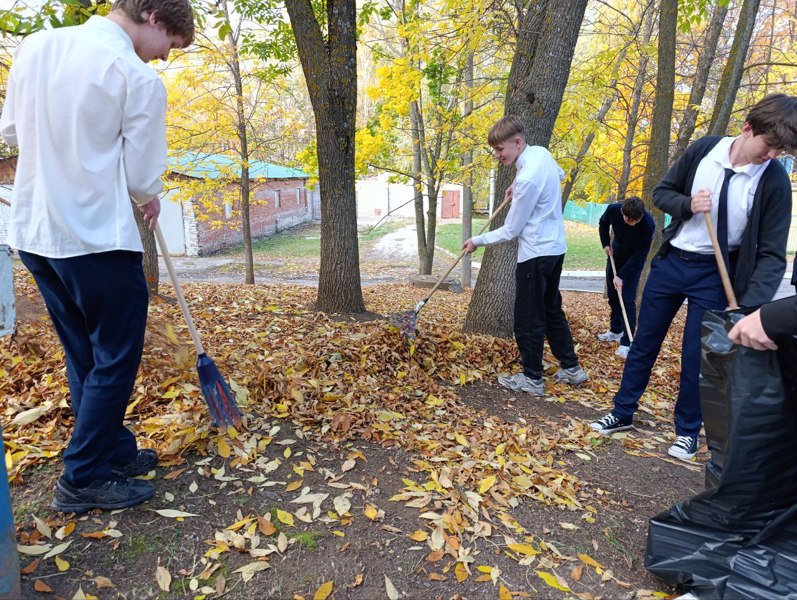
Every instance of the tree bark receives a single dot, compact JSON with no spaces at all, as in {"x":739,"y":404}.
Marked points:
{"x":330,"y":68}
{"x":732,"y":73}
{"x":658,"y":149}
{"x":151,"y":272}
{"x":537,"y":78}
{"x":698,"y":91}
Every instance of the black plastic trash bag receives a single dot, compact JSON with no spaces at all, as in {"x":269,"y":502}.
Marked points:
{"x":738,"y":539}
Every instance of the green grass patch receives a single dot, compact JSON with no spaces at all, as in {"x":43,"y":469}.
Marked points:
{"x":584,"y":252}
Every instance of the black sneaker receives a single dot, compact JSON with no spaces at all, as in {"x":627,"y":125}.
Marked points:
{"x":684,"y":448}
{"x":611,"y":424}
{"x":146,"y":460}
{"x":118,"y":492}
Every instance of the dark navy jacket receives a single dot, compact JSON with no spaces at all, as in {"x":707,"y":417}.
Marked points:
{"x":631,"y":244}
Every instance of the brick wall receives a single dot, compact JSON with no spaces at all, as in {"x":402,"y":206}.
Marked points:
{"x":274,"y":205}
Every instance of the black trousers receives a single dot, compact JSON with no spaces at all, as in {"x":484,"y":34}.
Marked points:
{"x":630,"y":284}
{"x":539,"y":314}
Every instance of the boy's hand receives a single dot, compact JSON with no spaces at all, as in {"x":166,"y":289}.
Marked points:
{"x":608,"y":250}
{"x":508,"y":193}
{"x":701,"y":201}
{"x":469,"y":247}
{"x":151,"y":210}
{"x":750,"y":332}
{"x":618,"y":284}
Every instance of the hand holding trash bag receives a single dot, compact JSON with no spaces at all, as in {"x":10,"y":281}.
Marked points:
{"x":760,"y":329}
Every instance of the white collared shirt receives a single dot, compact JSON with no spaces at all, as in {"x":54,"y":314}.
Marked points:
{"x":535,"y":215}
{"x":693,"y":234}
{"x":88,"y":116}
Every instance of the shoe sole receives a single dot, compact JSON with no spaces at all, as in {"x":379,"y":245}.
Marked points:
{"x":612,"y":430}
{"x":81,"y":507}
{"x":508,"y":386}
{"x":679,"y":456}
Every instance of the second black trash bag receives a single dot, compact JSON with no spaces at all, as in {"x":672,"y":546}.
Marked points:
{"x":737,"y":539}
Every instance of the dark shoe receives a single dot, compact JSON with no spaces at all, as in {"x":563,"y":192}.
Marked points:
{"x":146,"y":460}
{"x":684,"y":448}
{"x":611,"y":424}
{"x":119,"y":492}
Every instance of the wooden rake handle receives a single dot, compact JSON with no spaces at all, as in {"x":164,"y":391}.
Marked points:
{"x":178,"y":291}
{"x":622,"y":304}
{"x":723,"y":269}
{"x":461,"y":254}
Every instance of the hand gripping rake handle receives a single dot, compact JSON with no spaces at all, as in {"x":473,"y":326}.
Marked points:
{"x":622,"y":304}
{"x":723,"y":269}
{"x":461,"y":254}
{"x":178,"y":291}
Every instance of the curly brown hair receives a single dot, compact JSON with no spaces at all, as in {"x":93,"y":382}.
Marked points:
{"x":176,"y":15}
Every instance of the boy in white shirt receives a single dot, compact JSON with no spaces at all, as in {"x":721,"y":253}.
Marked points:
{"x":88,"y":116}
{"x":535,"y":217}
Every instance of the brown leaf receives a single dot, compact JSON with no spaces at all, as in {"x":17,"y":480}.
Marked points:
{"x":42,"y":587}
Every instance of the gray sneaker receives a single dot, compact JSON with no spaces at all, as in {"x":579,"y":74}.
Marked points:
{"x":574,"y":375}
{"x":520,"y":382}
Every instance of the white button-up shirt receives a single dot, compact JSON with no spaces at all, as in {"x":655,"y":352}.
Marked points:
{"x":535,"y":215}
{"x":693,"y":234}
{"x":88,"y":116}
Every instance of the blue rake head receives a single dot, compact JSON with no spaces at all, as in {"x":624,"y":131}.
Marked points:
{"x":217,"y":394}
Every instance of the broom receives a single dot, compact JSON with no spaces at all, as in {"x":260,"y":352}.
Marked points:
{"x":217,"y":394}
{"x":622,"y":304}
{"x":407,"y":320}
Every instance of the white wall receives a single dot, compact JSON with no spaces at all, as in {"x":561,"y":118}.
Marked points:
{"x":376,"y":198}
{"x":5,"y":212}
{"x":171,"y":222}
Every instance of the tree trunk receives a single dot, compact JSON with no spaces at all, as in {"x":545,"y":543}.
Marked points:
{"x":537,"y":79}
{"x":698,"y":91}
{"x":732,"y":74}
{"x":467,"y":188}
{"x":235,"y":68}
{"x":151,"y":272}
{"x":658,"y":149}
{"x":330,"y":69}
{"x":633,"y":114}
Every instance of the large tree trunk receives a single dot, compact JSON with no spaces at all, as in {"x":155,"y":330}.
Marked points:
{"x":151,"y":272}
{"x":633,"y":114}
{"x":235,"y":68}
{"x":698,"y":91}
{"x":537,"y":79}
{"x":658,"y":149}
{"x":330,"y":68}
{"x":732,"y":74}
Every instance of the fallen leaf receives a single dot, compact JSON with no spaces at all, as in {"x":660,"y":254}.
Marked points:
{"x":461,"y":572}
{"x":323,"y":591}
{"x":575,"y":574}
{"x":265,"y":526}
{"x":103,"y":582}
{"x":391,"y":590}
{"x":552,"y":580}
{"x":418,"y":536}
{"x":176,"y":473}
{"x":164,"y":578}
{"x":61,"y":564}
{"x":503,"y":593}
{"x":348,"y":465}
{"x":42,"y":587}
{"x":486,"y":484}
{"x":285,"y":517}
{"x":173,"y":514}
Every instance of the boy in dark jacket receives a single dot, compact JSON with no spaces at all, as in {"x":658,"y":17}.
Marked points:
{"x":748,"y":197}
{"x":633,"y":229}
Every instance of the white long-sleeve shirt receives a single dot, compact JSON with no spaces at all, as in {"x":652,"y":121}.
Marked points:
{"x":88,"y":116}
{"x":535,"y":215}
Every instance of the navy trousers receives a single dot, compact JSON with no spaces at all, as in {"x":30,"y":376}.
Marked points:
{"x":98,"y":305}
{"x":539,"y":314}
{"x":630,"y":283}
{"x":677,"y":277}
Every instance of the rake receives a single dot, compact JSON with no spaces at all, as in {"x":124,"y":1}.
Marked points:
{"x":216,"y":392}
{"x":622,"y":304}
{"x":406,"y":321}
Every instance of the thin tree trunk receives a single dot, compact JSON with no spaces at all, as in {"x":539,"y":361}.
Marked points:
{"x":467,"y":191}
{"x":698,"y":91}
{"x":330,"y":68}
{"x":235,"y":68}
{"x":732,"y":74}
{"x":151,"y":272}
{"x":658,"y":149}
{"x":537,"y":79}
{"x":633,"y":114}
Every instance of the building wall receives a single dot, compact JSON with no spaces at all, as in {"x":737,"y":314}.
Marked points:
{"x":376,"y":197}
{"x":274,"y":205}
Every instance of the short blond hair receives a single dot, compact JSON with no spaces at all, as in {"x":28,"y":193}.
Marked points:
{"x":505,"y":129}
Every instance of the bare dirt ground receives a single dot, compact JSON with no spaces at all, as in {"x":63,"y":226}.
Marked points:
{"x":387,"y":527}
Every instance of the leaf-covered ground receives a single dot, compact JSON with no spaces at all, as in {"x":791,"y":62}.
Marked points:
{"x":368,"y":468}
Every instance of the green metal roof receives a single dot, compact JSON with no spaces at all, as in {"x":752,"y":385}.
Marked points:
{"x":218,"y":166}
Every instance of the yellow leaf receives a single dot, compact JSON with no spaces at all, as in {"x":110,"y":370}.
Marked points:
{"x":287,"y":453}
{"x":503,"y":593}
{"x":523,"y":549}
{"x":285,"y":517}
{"x":552,"y":581}
{"x":371,"y":512}
{"x":419,"y":536}
{"x":588,"y":560}
{"x":294,"y":485}
{"x":461,"y":572}
{"x":224,"y":448}
{"x":324,"y":590}
{"x":61,"y":564}
{"x":486,"y":484}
